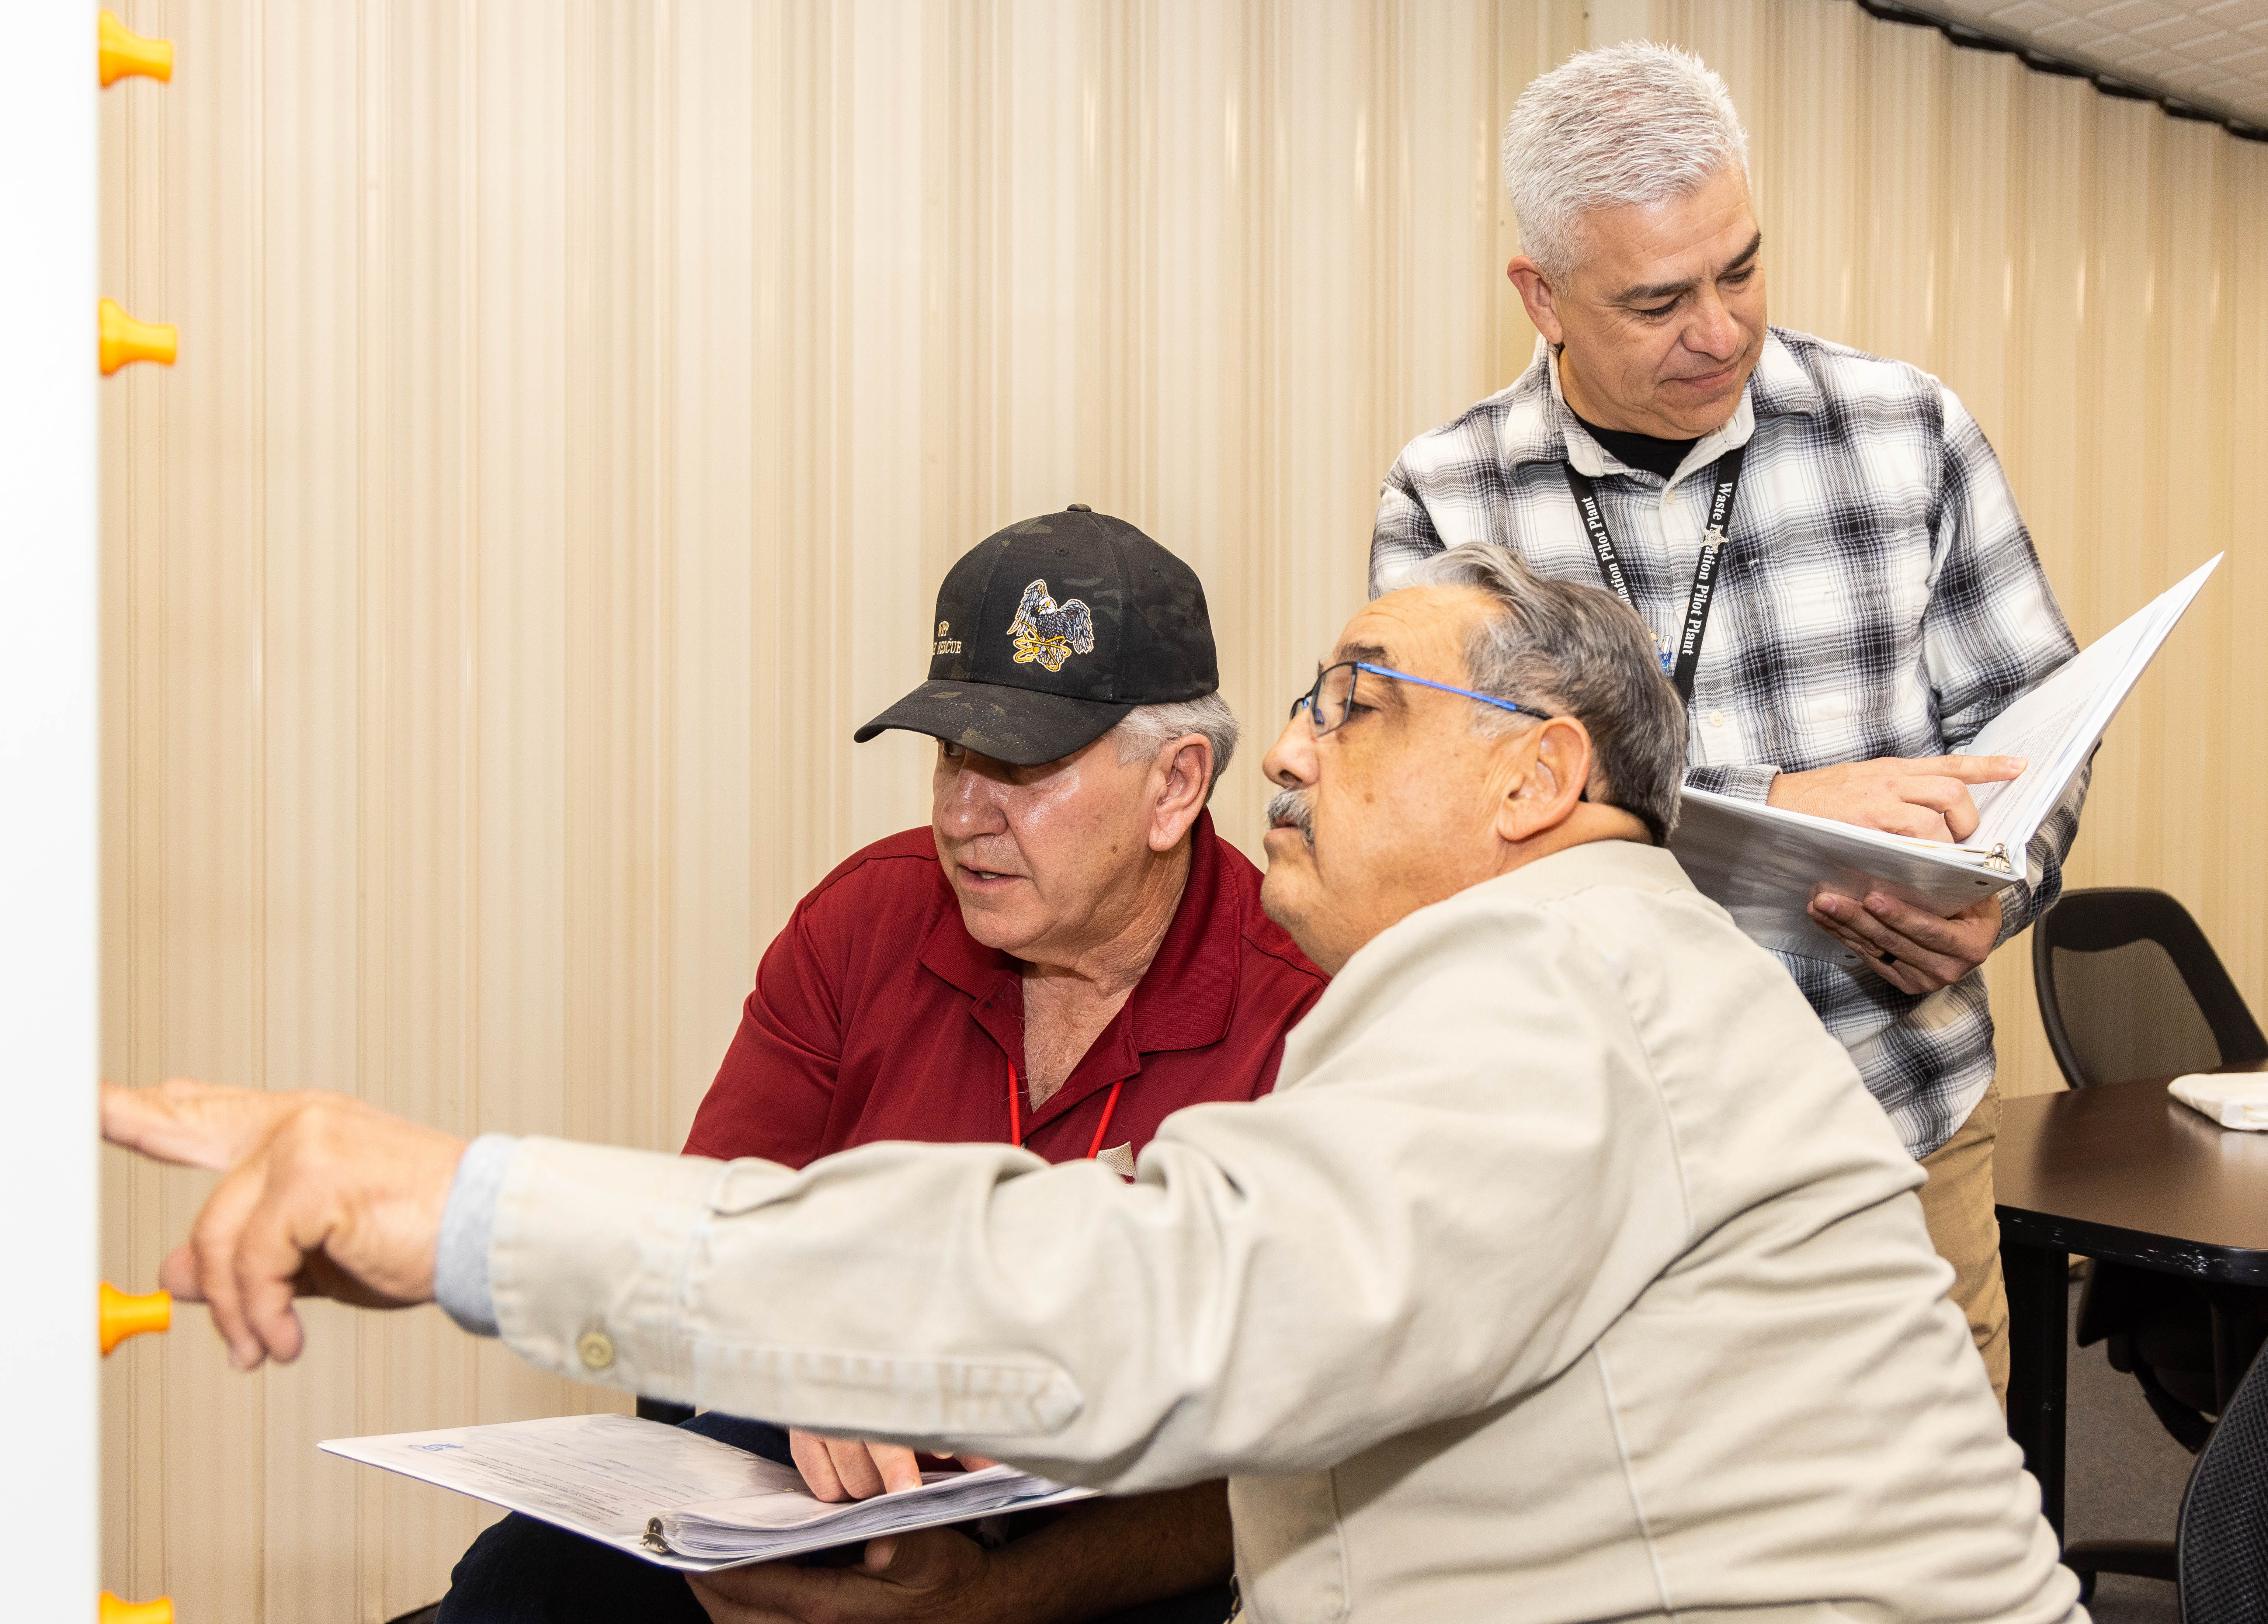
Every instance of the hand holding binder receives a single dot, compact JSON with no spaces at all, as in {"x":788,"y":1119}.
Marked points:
{"x":1765,"y":865}
{"x":1911,"y":947}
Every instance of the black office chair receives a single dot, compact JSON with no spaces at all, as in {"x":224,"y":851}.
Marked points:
{"x":2224,"y":1530}
{"x":2129,"y":988}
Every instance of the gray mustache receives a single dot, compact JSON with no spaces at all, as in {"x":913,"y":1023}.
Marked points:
{"x":1290,"y":805}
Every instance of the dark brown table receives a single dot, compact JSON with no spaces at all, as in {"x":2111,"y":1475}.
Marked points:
{"x":2124,"y":1171}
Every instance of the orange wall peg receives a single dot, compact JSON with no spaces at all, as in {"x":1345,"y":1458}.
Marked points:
{"x":123,"y":52}
{"x":125,"y":340}
{"x":117,"y":1611}
{"x":122,"y":1316}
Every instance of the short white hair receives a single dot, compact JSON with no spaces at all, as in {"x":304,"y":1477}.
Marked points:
{"x":1632,"y":123}
{"x":1145,"y":729}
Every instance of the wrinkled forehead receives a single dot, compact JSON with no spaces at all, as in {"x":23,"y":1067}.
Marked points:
{"x":1421,"y":629}
{"x":1672,"y":241}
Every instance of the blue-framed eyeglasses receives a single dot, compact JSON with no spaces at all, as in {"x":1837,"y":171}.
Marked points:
{"x":1331,"y":700}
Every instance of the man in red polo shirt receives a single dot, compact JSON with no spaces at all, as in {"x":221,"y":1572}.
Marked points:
{"x":1064,"y":957}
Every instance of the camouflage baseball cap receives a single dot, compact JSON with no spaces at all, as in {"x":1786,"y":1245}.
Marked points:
{"x":1049,"y":631}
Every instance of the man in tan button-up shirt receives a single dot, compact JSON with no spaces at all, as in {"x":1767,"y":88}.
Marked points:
{"x":1568,"y":1275}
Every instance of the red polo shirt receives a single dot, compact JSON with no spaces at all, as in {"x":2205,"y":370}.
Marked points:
{"x":876,"y":1015}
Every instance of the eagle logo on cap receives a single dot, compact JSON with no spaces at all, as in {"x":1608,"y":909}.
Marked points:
{"x":1051,"y":632}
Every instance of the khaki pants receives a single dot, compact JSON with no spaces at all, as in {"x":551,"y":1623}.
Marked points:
{"x":1958,"y":1205}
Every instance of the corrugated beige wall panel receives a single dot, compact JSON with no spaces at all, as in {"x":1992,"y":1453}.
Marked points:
{"x":577,"y":406}
{"x":881,"y":120}
{"x":184,"y":892}
{"x":1972,"y":283}
{"x":417,"y":731}
{"x":710,"y":659}
{"x":2240,"y":924}
{"x":2038,"y":433}
{"x":307,"y":355}
{"x":2186,"y":759}
{"x":1901,"y":176}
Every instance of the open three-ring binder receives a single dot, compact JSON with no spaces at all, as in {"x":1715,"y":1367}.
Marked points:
{"x":1764,"y":865}
{"x":676,"y":1498}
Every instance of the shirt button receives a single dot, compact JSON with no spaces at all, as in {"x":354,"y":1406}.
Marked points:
{"x":1716,"y":719}
{"x":595,"y":1349}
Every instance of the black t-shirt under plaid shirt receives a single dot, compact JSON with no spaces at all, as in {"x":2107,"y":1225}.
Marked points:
{"x":1879,"y":596}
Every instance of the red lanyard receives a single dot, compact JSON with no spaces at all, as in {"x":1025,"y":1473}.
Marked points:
{"x":1016,"y":1112}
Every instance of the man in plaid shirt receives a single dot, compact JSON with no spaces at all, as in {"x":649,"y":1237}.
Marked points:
{"x":1876,"y":602}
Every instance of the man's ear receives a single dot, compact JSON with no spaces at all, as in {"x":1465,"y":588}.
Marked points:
{"x":1183,"y":773}
{"x":1535,"y":293}
{"x":1558,"y":754}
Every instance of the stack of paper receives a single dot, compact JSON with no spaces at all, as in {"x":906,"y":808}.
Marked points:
{"x":1764,"y":865}
{"x":676,"y":1498}
{"x":2234,"y":1101}
{"x":731,"y":1529}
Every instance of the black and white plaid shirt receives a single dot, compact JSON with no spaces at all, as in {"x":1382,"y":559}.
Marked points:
{"x":1879,"y":596}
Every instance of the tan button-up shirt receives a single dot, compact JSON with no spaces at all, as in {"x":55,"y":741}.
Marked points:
{"x":1568,"y":1275}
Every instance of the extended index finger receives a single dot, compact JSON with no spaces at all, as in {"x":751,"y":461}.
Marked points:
{"x":190,"y":1123}
{"x":1974,"y":769}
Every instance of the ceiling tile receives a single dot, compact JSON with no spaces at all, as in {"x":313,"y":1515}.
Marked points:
{"x":2073,"y":33}
{"x":2235,"y":13}
{"x":2029,"y":15}
{"x":2211,"y":47}
{"x":2126,"y":16}
{"x":2152,"y":63}
{"x":2118,"y":50}
{"x":2174,"y":32}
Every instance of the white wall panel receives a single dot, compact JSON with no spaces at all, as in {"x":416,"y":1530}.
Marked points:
{"x":49,"y":754}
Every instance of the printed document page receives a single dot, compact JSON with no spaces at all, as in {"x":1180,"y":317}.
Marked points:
{"x":2054,"y":725}
{"x":631,"y":1483}
{"x":601,"y":1475}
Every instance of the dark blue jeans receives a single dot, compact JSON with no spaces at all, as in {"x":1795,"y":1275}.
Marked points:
{"x":521,"y":1571}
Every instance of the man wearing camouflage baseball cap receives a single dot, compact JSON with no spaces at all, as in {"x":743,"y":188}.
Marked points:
{"x":1064,"y":957}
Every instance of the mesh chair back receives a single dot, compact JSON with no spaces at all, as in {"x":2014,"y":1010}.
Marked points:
{"x":2129,"y":988}
{"x":2222,"y":1549}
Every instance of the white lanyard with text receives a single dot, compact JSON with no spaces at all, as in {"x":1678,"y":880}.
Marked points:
{"x":1678,"y":659}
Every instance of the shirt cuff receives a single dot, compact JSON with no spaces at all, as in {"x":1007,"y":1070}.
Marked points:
{"x":461,"y":1265}
{"x":1745,"y":781}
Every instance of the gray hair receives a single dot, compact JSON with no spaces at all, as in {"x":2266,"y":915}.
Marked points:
{"x":1575,"y":651}
{"x":1145,"y":730}
{"x":1631,"y":124}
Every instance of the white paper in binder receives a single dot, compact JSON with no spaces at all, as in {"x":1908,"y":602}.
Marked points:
{"x":674,"y":1497}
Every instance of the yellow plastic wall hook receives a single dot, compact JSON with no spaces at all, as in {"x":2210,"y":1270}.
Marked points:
{"x":124,"y":52}
{"x":126,"y":340}
{"x":116,"y":1612}
{"x":123,"y":1316}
